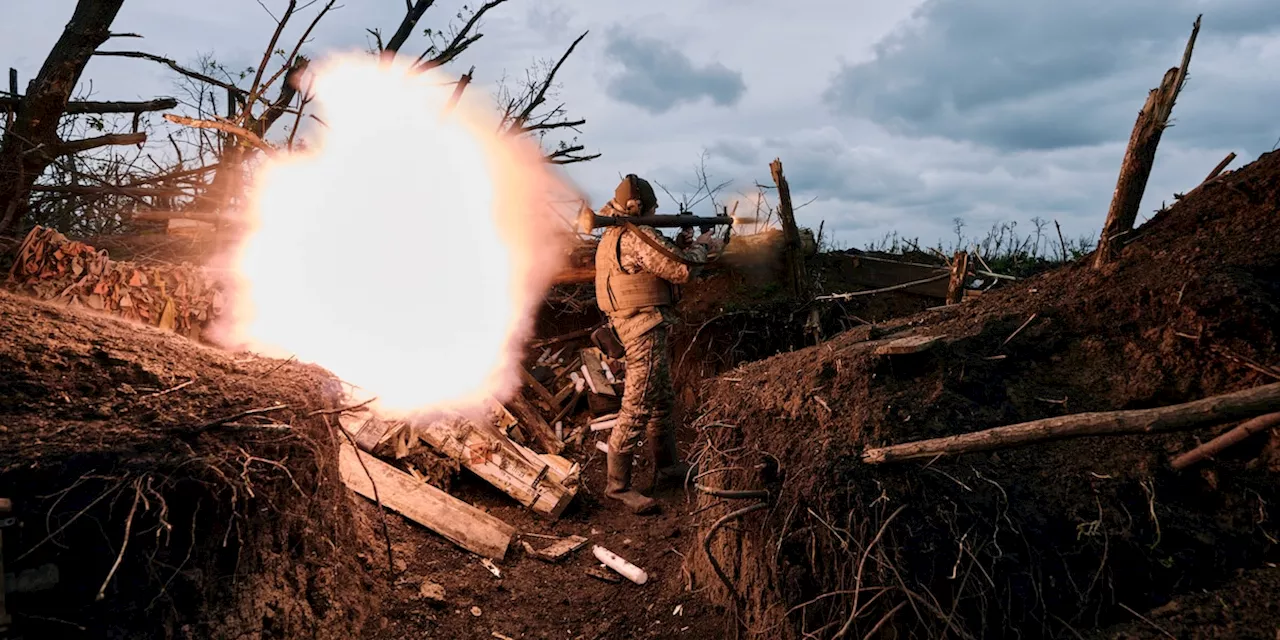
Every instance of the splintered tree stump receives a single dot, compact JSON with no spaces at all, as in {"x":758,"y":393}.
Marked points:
{"x":1239,"y":405}
{"x":793,"y":257}
{"x":959,"y":270}
{"x":1140,"y":156}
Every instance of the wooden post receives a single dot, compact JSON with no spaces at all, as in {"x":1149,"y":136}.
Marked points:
{"x":12,"y":113}
{"x":457,"y":92}
{"x":793,"y":258}
{"x":959,"y":270}
{"x":1139,"y":157}
{"x":1239,"y":405}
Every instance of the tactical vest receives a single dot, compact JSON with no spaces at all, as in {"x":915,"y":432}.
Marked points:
{"x":617,"y":290}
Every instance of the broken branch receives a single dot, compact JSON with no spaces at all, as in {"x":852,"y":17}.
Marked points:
{"x":1228,"y":439}
{"x":1239,"y":405}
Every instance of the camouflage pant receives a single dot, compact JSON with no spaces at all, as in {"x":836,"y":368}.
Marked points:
{"x":647,"y":397}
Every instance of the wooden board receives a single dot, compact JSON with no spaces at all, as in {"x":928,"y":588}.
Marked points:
{"x":908,"y":345}
{"x":459,"y":522}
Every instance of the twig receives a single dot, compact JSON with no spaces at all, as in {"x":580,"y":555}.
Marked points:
{"x":330,"y":412}
{"x":171,"y":389}
{"x":1147,"y":620}
{"x":279,"y":366}
{"x":1018,"y":330}
{"x":242,"y":414}
{"x":124,"y":543}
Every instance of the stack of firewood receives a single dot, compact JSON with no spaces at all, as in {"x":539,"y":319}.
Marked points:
{"x":179,"y":298}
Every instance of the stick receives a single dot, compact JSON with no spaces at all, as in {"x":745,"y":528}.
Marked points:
{"x":1228,"y":439}
{"x":1221,"y":165}
{"x":1239,"y":405}
{"x":1018,"y":330}
{"x":170,"y":389}
{"x":905,"y":285}
{"x":1061,"y":241}
{"x":572,"y":335}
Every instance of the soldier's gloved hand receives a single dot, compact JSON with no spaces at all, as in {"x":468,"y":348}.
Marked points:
{"x":713,"y":244}
{"x":684,"y":239}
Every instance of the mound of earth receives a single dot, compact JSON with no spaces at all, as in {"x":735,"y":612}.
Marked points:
{"x":174,"y":490}
{"x":1048,"y":540}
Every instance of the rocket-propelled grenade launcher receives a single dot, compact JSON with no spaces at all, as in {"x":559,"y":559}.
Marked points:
{"x":588,"y":221}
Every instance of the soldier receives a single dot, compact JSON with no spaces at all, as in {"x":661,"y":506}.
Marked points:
{"x":637,"y":269}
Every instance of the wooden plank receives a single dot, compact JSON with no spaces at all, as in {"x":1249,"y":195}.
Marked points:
{"x":459,"y":522}
{"x":908,"y":345}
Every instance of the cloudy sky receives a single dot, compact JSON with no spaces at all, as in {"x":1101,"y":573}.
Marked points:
{"x":888,"y":114}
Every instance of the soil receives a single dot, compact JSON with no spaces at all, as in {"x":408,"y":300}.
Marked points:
{"x":163,"y":517}
{"x":1047,"y":540}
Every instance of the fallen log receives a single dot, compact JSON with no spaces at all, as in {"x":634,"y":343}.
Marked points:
{"x":459,"y":522}
{"x":1239,"y":405}
{"x":1228,"y":439}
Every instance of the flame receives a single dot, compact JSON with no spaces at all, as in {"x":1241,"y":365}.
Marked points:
{"x":406,"y":250}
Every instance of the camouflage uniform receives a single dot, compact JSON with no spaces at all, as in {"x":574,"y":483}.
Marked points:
{"x":648,"y":397}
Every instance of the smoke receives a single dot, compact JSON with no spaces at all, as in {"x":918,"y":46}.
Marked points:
{"x":406,"y":250}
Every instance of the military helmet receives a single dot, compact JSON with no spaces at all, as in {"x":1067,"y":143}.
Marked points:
{"x":635,"y":195}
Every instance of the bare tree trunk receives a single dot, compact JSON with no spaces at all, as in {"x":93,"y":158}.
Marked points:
{"x":47,"y":96}
{"x":793,"y":258}
{"x":1139,"y":157}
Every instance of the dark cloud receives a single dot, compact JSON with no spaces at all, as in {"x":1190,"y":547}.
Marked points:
{"x":657,"y":78}
{"x":1048,"y":75}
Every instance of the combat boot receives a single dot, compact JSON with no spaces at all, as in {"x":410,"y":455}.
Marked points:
{"x":619,"y":484}
{"x":668,"y":468}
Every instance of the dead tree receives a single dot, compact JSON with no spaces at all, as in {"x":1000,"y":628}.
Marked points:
{"x":31,"y":143}
{"x":1139,"y":157}
{"x":251,"y":114}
